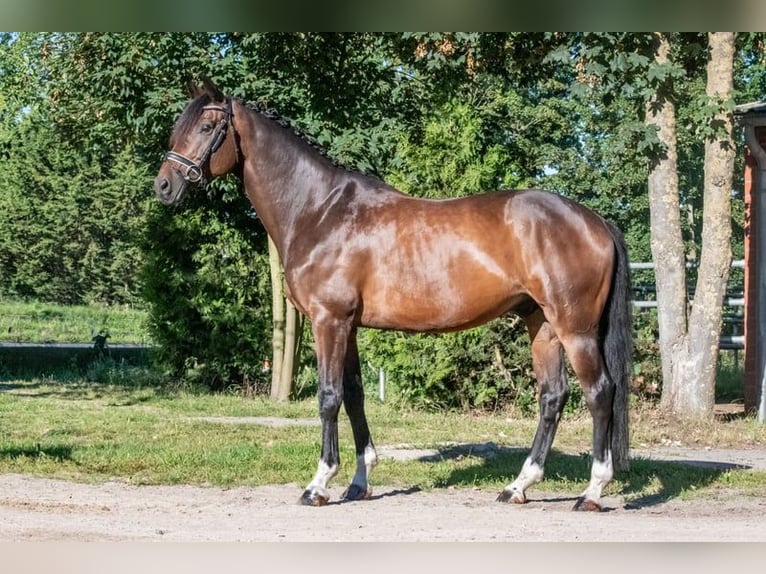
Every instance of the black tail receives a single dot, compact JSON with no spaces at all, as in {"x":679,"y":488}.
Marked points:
{"x":617,"y":332}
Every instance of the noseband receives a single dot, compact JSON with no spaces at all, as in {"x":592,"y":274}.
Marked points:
{"x":193,"y":172}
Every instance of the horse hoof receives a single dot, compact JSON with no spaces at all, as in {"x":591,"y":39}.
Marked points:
{"x":586,"y":505}
{"x":309,"y":498}
{"x":355,"y":492}
{"x":512,"y":497}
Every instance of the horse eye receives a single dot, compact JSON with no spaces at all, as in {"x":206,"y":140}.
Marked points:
{"x":206,"y":127}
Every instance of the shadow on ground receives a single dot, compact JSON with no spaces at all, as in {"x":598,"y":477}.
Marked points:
{"x":57,"y":452}
{"x":647,"y":483}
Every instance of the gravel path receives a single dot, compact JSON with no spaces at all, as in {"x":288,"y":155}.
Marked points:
{"x":38,"y":509}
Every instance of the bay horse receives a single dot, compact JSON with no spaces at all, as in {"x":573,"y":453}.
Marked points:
{"x":358,"y":253}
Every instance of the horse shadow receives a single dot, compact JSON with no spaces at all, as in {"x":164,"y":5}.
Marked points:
{"x":649,"y":482}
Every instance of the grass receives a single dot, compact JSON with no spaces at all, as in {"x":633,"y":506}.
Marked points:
{"x":128,"y":427}
{"x":37,"y":322}
{"x":731,"y":373}
{"x":119,"y":422}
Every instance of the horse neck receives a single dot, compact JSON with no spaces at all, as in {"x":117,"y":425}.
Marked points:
{"x":285,"y":179}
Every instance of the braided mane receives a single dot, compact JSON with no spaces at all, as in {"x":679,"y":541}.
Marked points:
{"x":273,"y":115}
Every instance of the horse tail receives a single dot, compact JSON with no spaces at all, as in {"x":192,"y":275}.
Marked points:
{"x":617,"y":337}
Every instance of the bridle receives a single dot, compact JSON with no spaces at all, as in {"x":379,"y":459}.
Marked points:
{"x":194,"y":170}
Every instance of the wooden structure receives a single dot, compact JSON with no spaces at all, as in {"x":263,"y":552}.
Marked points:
{"x":752,"y":118}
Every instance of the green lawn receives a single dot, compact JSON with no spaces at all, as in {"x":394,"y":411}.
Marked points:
{"x":43,"y":322}
{"x":133,"y":430}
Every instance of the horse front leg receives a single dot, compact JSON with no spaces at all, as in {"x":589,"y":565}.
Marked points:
{"x":353,"y":401}
{"x":331,"y":341}
{"x":548,"y":364}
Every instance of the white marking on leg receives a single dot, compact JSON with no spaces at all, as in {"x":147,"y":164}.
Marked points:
{"x":530,"y":473}
{"x":600,"y":475}
{"x":318,"y":484}
{"x":364,"y":465}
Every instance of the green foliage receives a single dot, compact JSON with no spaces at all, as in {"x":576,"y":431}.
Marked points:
{"x":487,"y":367}
{"x":72,"y":211}
{"x":85,"y":117}
{"x":206,"y":278}
{"x":646,"y":382}
{"x":70,"y":225}
{"x":350,"y":92}
{"x":452,"y":156}
{"x":731,"y":372}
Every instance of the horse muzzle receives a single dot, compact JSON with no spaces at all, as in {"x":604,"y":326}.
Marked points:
{"x":169,"y":190}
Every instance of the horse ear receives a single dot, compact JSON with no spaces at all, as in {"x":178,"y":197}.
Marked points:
{"x":208,"y":87}
{"x":192,"y":89}
{"x":211,"y":89}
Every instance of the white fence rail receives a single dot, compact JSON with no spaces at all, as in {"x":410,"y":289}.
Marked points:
{"x":733,"y":342}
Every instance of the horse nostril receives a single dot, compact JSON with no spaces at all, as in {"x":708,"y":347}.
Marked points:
{"x":161,"y":185}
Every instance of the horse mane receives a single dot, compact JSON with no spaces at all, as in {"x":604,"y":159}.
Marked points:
{"x":271,"y":114}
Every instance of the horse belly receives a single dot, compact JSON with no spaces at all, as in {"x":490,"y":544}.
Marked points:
{"x":438,"y":306}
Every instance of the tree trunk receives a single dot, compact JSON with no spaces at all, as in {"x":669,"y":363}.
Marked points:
{"x":665,"y":219}
{"x":695,"y":388}
{"x":689,"y":335}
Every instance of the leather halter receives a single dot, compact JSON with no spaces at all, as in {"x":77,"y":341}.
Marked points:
{"x":194,"y":170}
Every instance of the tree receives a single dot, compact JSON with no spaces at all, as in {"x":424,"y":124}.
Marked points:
{"x":689,"y":330}
{"x":72,"y":208}
{"x":667,"y":245}
{"x":340,"y":88}
{"x":435,"y":114}
{"x":655,"y":76}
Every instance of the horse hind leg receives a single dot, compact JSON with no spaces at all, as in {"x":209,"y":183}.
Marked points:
{"x":548,"y":364}
{"x":598,"y":389}
{"x":353,"y":401}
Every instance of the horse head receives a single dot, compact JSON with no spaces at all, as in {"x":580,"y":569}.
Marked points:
{"x":202,"y":146}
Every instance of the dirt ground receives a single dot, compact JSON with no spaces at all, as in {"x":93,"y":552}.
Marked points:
{"x":36,"y":509}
